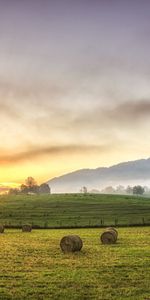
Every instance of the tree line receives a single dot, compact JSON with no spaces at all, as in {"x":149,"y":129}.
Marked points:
{"x":31,"y":187}
{"x":120,"y":189}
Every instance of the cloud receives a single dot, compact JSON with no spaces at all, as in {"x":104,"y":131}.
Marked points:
{"x":53,"y":150}
{"x":138,"y":110}
{"x":65,"y":112}
{"x":117,"y":115}
{"x":8,"y":111}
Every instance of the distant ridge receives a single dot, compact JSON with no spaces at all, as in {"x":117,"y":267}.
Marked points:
{"x":131,"y":172}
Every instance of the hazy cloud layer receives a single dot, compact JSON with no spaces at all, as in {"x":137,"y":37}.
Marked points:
{"x":32,"y":154}
{"x":124,"y":114}
{"x":74,"y":78}
{"x":87,"y":130}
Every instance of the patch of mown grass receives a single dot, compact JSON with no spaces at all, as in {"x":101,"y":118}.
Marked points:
{"x":33,"y":266}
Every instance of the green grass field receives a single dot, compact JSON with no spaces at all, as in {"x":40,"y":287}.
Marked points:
{"x":74,"y":210}
{"x":32,"y":266}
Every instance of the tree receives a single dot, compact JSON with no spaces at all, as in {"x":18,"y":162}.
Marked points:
{"x":24,"y":189}
{"x":120,"y":189}
{"x":129,"y":190}
{"x":84,"y":190}
{"x":108,"y":190}
{"x":30,"y":182}
{"x":14,"y":191}
{"x":138,"y":190}
{"x":30,"y":186}
{"x":44,"y":189}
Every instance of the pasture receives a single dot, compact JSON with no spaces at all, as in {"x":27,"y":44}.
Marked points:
{"x":33,"y":266}
{"x":72,"y":210}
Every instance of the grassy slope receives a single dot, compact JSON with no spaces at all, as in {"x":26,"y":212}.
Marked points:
{"x":74,"y":209}
{"x":33,"y":267}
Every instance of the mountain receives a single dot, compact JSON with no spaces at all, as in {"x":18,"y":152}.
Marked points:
{"x":132,"y":172}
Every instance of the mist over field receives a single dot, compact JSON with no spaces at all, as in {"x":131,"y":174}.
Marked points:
{"x":127,"y":173}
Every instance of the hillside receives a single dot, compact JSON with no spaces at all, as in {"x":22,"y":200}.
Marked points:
{"x":74,"y":210}
{"x":132,"y":172}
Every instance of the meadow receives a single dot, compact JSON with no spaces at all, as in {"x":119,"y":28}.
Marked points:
{"x":32,"y":266}
{"x":74,"y":210}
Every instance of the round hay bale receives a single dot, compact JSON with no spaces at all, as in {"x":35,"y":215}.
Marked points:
{"x":112,"y":228}
{"x":26,"y":228}
{"x":1,"y":228}
{"x":108,"y":237}
{"x":71,"y":243}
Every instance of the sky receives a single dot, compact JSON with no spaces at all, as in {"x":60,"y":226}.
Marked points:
{"x":74,"y":85}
